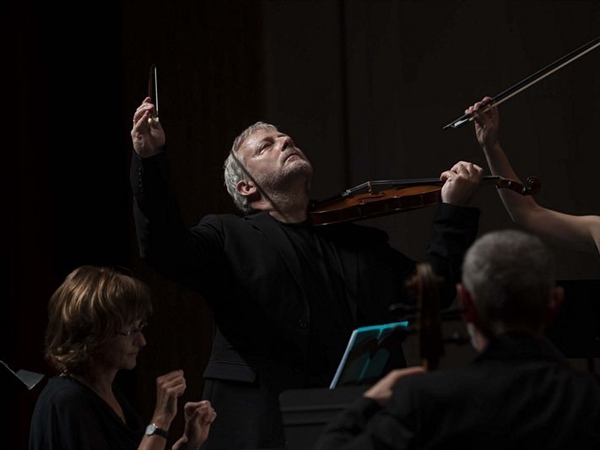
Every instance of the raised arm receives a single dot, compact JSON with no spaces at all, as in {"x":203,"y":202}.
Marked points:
{"x":576,"y":232}
{"x":147,"y":134}
{"x":163,"y":237}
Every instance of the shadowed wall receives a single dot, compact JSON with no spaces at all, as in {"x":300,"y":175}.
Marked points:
{"x":363,"y":87}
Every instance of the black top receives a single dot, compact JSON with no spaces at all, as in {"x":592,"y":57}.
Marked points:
{"x":69,"y":415}
{"x":331,"y":317}
{"x":519,"y":394}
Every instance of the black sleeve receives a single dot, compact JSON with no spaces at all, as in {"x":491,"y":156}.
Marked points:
{"x":165,"y":242}
{"x":454,"y":230}
{"x":363,"y":425}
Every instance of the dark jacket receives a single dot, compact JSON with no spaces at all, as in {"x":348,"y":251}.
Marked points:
{"x":285,"y":297}
{"x":520,"y":393}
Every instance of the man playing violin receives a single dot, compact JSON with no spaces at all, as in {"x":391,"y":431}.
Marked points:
{"x":285,"y":295}
{"x":519,"y":393}
{"x":575,"y":232}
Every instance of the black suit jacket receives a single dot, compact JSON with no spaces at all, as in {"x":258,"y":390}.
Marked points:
{"x":250,"y":273}
{"x":519,"y":394}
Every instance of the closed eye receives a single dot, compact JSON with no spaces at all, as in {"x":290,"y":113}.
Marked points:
{"x":264,"y":146}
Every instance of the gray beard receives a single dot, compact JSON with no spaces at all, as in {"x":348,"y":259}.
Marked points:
{"x":285,"y":180}
{"x":281,"y":189}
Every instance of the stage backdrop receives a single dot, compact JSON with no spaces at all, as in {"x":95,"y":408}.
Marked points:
{"x":363,"y":87}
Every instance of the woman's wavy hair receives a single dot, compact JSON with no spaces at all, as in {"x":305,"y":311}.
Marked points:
{"x":89,"y":308}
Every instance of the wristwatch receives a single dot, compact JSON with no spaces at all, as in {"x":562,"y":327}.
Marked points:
{"x":153,"y":429}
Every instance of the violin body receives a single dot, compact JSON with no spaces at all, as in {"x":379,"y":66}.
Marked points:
{"x":374,"y":204}
{"x":426,"y":285}
{"x":384,"y":197}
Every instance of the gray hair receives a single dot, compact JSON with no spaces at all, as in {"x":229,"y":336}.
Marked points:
{"x":510,"y":275}
{"x":233,"y":169}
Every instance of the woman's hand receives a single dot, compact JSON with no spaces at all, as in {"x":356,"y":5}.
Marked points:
{"x":169,"y":388}
{"x":198,"y":418}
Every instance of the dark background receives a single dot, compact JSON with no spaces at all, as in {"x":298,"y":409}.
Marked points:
{"x":364,"y":87}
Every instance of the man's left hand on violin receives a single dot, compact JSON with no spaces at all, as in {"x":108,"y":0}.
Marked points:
{"x":460,"y":183}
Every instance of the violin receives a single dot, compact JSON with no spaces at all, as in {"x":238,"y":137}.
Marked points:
{"x":426,"y":285}
{"x":426,"y":317}
{"x":383,"y":197}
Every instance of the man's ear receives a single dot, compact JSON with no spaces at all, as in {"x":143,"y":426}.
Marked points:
{"x":465,"y":300}
{"x":556,"y":298}
{"x":246,"y":188}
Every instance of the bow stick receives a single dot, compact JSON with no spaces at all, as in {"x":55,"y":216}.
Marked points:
{"x":531,"y":80}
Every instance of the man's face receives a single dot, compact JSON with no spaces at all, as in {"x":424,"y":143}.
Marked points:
{"x":272,"y":159}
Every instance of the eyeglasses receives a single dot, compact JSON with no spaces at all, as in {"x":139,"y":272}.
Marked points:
{"x":133,"y":332}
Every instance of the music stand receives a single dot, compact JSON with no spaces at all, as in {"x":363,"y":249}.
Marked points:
{"x":19,"y":379}
{"x":306,"y":411}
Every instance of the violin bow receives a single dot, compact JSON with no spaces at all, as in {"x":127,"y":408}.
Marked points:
{"x":531,"y":80}
{"x":153,"y":89}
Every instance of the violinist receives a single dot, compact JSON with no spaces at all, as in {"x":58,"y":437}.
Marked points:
{"x":575,"y":232}
{"x":285,"y":294}
{"x":519,"y":393}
